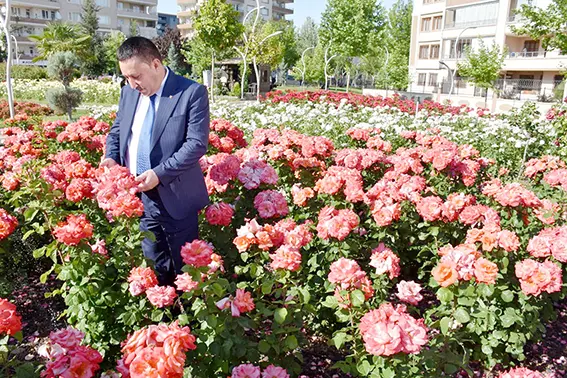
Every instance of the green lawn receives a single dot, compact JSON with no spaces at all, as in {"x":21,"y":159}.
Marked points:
{"x":316,"y":88}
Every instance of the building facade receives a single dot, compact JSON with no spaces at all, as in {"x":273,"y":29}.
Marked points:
{"x":29,"y":17}
{"x":165,"y":21}
{"x":271,"y":10}
{"x":443,"y":29}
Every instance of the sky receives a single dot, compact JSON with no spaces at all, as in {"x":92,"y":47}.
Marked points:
{"x":301,"y":9}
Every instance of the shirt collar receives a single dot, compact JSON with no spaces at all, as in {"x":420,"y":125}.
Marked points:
{"x":160,"y":90}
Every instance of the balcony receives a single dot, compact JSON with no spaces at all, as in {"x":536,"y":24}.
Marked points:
{"x":41,"y":4}
{"x":131,"y":13}
{"x":284,"y":1}
{"x":185,"y":26}
{"x":31,"y":20}
{"x":281,"y":10}
{"x":463,"y":25}
{"x":145,"y":2}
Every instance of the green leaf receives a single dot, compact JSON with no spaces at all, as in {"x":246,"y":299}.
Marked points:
{"x":357,"y":298}
{"x":507,"y":296}
{"x":157,"y":316}
{"x":331,"y":302}
{"x":244,"y":256}
{"x":339,"y":339}
{"x":364,"y":368}
{"x":388,"y":373}
{"x":450,"y":369}
{"x":40,"y":252}
{"x":280,"y":314}
{"x":486,"y":349}
{"x":445,"y":295}
{"x":444,"y":325}
{"x":462,"y":315}
{"x":263,"y":346}
{"x":267,"y":287}
{"x":291,"y":342}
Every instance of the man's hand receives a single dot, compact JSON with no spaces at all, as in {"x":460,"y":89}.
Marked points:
{"x":107,"y":163}
{"x":147,"y":180}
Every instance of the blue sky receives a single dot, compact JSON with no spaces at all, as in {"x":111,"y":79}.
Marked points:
{"x":302,"y":9}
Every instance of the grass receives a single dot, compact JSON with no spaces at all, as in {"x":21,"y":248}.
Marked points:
{"x":316,"y":88}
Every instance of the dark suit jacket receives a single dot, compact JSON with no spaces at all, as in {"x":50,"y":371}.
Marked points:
{"x":179,"y":138}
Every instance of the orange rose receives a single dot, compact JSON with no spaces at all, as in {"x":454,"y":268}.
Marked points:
{"x":445,"y":273}
{"x":485,"y":271}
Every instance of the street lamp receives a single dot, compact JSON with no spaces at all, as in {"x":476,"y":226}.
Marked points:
{"x":442,"y":63}
{"x":304,"y":68}
{"x":457,"y":58}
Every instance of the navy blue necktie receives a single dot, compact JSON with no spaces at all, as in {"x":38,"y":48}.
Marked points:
{"x":143,"y":157}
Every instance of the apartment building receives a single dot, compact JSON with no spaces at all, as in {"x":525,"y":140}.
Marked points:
{"x":271,"y":10}
{"x":442,"y":30}
{"x":29,"y":17}
{"x":165,"y":21}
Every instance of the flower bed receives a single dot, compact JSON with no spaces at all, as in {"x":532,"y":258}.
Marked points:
{"x":412,"y":254}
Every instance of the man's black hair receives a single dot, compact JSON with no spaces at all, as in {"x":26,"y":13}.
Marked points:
{"x":138,"y":47}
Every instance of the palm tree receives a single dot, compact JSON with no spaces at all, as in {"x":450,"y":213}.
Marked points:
{"x":59,"y":37}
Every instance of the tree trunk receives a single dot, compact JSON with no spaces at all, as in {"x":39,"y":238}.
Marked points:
{"x":347,"y":81}
{"x":213,"y":77}
{"x":257,"y":79}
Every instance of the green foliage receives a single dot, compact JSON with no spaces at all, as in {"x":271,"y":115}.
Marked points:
{"x":174,"y":60}
{"x":110,"y":46}
{"x":62,"y":66}
{"x":217,"y":25}
{"x":24,"y":72}
{"x":61,"y":37}
{"x":307,"y":35}
{"x":94,"y":65}
{"x":482,"y":66}
{"x":64,"y":100}
{"x":546,"y":24}
{"x":133,"y":28}
{"x":235,"y":90}
{"x":349,"y":25}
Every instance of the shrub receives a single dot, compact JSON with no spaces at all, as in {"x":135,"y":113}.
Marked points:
{"x":64,"y":100}
{"x":24,"y":72}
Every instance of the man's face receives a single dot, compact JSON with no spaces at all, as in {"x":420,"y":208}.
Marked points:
{"x":142,"y":76}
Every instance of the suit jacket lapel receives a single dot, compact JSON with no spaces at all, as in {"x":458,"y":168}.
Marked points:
{"x":168,"y":101}
{"x":128,"y":118}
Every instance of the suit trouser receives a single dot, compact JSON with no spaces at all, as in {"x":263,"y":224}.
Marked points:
{"x":171,"y":234}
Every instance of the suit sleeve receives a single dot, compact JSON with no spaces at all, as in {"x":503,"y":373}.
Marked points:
{"x":196,"y":141}
{"x":113,"y":137}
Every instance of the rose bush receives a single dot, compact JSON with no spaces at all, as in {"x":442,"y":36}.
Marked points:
{"x":412,"y":253}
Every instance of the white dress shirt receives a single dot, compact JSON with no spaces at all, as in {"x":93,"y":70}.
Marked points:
{"x":141,"y":110}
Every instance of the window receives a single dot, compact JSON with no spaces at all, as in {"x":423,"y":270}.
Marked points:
{"x":424,"y":52}
{"x":150,"y":24}
{"x":75,"y":16}
{"x":426,"y":24}
{"x":28,"y":13}
{"x":74,"y":1}
{"x":265,"y":1}
{"x":531,"y":46}
{"x":102,"y":3}
{"x":434,"y":53}
{"x":31,"y":51}
{"x":437,"y":22}
{"x":421,"y":79}
{"x":265,"y":12}
{"x":105,"y":20}
{"x":473,"y":15}
{"x":432,"y":79}
{"x":15,"y":11}
{"x":45,"y":14}
{"x":461,"y":47}
{"x":120,"y":5}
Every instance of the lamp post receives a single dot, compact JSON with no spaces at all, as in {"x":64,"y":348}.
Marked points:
{"x":17,"y":51}
{"x":303,"y":62}
{"x":5,"y":24}
{"x":442,"y":63}
{"x":457,"y":58}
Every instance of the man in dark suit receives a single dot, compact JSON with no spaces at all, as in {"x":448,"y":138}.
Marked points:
{"x":160,"y":133}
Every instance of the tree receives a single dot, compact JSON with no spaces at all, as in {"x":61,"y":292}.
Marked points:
{"x":60,"y":37}
{"x":133,"y":28}
{"x":164,"y":41}
{"x":546,"y":25}
{"x":482,"y":66}
{"x":62,"y":66}
{"x":347,"y":26}
{"x":289,"y":41}
{"x":263,"y":48}
{"x":174,"y":59}
{"x":218,"y":28}
{"x":110,"y":47}
{"x":397,"y":36}
{"x":94,"y":64}
{"x":307,"y":35}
